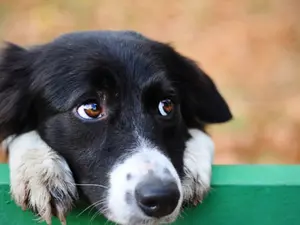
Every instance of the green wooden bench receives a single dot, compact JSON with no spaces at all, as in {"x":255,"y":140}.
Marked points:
{"x":240,"y":195}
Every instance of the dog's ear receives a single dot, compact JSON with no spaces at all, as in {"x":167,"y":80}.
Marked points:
{"x":201,"y":102}
{"x":14,"y":83}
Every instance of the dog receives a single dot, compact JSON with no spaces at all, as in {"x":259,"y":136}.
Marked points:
{"x":114,"y":117}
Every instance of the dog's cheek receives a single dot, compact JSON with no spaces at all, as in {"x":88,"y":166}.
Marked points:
{"x":66,"y":134}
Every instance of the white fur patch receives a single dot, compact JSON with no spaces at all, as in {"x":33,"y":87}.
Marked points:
{"x":198,"y":159}
{"x":142,"y":159}
{"x":39,"y":176}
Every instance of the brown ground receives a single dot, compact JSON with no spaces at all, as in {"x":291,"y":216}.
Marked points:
{"x":250,"y":47}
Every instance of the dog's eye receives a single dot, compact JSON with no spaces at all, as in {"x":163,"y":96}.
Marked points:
{"x":165,"y":107}
{"x":90,"y":110}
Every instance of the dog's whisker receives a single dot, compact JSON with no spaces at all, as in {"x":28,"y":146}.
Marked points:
{"x":94,"y":216}
{"x":84,"y":210}
{"x":91,"y":185}
{"x":90,"y":206}
{"x":182,"y":214}
{"x":96,"y":204}
{"x":104,"y":209}
{"x":108,"y":222}
{"x":100,"y":202}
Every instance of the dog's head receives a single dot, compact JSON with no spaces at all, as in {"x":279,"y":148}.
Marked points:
{"x":117,"y":106}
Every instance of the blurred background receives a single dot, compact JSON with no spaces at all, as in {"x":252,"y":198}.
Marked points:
{"x":251,"y":48}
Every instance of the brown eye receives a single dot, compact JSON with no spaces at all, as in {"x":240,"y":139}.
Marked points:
{"x":90,"y":111}
{"x":165,"y":107}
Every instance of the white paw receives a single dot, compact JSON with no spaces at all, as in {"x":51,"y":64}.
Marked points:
{"x":198,"y":159}
{"x":40,"y":179}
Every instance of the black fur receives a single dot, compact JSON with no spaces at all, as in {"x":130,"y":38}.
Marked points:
{"x":40,"y":88}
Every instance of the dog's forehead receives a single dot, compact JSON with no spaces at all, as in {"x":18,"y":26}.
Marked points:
{"x":126,"y":53}
{"x":68,"y":64}
{"x":102,"y":43}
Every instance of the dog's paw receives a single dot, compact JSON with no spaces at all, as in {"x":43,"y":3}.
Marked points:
{"x":198,"y":158}
{"x":40,"y":179}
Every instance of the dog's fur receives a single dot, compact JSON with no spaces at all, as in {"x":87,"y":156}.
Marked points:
{"x":41,"y":89}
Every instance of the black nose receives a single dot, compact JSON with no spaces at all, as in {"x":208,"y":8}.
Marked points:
{"x":157,"y":198}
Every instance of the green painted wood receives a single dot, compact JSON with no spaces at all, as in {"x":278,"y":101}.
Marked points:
{"x":241,"y":195}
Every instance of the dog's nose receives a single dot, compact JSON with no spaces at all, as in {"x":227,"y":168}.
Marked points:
{"x":157,"y":198}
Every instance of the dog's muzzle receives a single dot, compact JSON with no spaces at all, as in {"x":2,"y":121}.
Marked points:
{"x":144,"y":189}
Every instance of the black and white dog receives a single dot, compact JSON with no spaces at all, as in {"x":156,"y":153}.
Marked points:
{"x":118,"y":115}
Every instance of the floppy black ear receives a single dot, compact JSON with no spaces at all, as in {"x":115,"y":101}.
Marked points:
{"x":14,"y":83}
{"x":201,"y":102}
